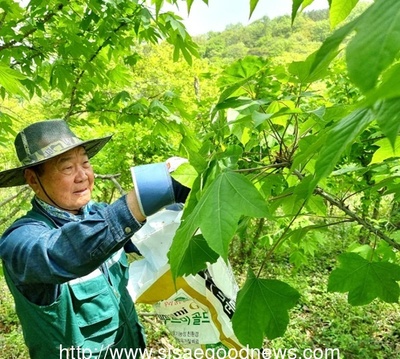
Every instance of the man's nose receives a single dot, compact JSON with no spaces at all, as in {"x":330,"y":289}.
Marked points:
{"x":81,"y":174}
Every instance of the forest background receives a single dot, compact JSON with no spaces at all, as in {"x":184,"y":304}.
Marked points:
{"x":291,"y":123}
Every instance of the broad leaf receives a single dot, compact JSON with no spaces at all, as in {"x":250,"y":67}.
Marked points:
{"x":239,"y":74}
{"x":339,"y":11}
{"x":365,"y":65}
{"x":262,"y":310}
{"x":308,"y":71}
{"x":388,"y":118}
{"x":217,"y":213}
{"x":331,"y":44}
{"x":388,"y":88}
{"x":365,"y":280}
{"x":10,"y":80}
{"x":385,"y":151}
{"x":198,"y":254}
{"x":376,"y":44}
{"x":185,"y":174}
{"x":340,"y":136}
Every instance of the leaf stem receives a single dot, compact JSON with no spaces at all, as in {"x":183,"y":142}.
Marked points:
{"x":263,"y":168}
{"x":280,"y":240}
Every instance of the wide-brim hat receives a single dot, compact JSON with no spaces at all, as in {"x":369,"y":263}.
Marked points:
{"x":42,"y":141}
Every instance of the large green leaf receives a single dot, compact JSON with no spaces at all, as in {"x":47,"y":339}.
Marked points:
{"x":373,"y":48}
{"x":331,"y":45}
{"x":198,"y":254}
{"x":339,"y":137}
{"x":365,"y":280}
{"x":185,"y":174}
{"x":388,"y":118}
{"x":262,"y":309}
{"x":376,"y":44}
{"x":238,"y":74}
{"x":10,"y":80}
{"x":385,"y":151}
{"x":228,"y":197}
{"x":308,"y":71}
{"x":339,"y":11}
{"x":388,"y":87}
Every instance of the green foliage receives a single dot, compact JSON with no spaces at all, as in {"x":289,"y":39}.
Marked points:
{"x":371,"y":51}
{"x":262,"y":309}
{"x":325,"y":320}
{"x":298,"y":136}
{"x":365,"y":280}
{"x":79,"y":51}
{"x":340,"y":137}
{"x":339,"y":11}
{"x":277,"y":38}
{"x":280,"y":148}
{"x":11,"y":340}
{"x":216,"y":215}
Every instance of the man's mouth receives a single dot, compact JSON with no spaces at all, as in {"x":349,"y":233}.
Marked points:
{"x":82,"y":191}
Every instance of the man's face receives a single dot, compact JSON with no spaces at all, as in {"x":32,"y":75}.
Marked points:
{"x":67,"y":180}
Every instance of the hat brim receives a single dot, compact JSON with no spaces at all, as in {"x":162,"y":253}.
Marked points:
{"x":15,"y":177}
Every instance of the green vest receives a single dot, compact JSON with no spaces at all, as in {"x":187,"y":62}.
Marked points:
{"x":93,"y":316}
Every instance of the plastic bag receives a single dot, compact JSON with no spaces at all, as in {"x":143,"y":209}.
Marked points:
{"x":196,"y":309}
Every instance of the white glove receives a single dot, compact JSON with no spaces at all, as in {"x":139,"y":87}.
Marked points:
{"x":174,"y":162}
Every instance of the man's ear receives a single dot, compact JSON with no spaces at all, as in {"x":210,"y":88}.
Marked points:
{"x":31,"y":179}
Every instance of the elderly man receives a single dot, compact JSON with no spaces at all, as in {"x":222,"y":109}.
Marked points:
{"x":64,"y":260}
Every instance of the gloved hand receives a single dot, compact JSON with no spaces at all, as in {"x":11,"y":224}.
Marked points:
{"x":155,"y":188}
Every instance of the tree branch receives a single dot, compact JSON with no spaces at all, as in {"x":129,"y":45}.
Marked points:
{"x":352,"y":215}
{"x":45,"y":19}
{"x":11,"y":198}
{"x":91,"y":59}
{"x":264,"y":168}
{"x":16,"y":208}
{"x":112,"y":178}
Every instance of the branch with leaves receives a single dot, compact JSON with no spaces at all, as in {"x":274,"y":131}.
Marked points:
{"x":22,"y":195}
{"x":113,"y":179}
{"x":40,"y":23}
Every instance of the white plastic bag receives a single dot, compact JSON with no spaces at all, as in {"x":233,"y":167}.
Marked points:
{"x":197,"y":308}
